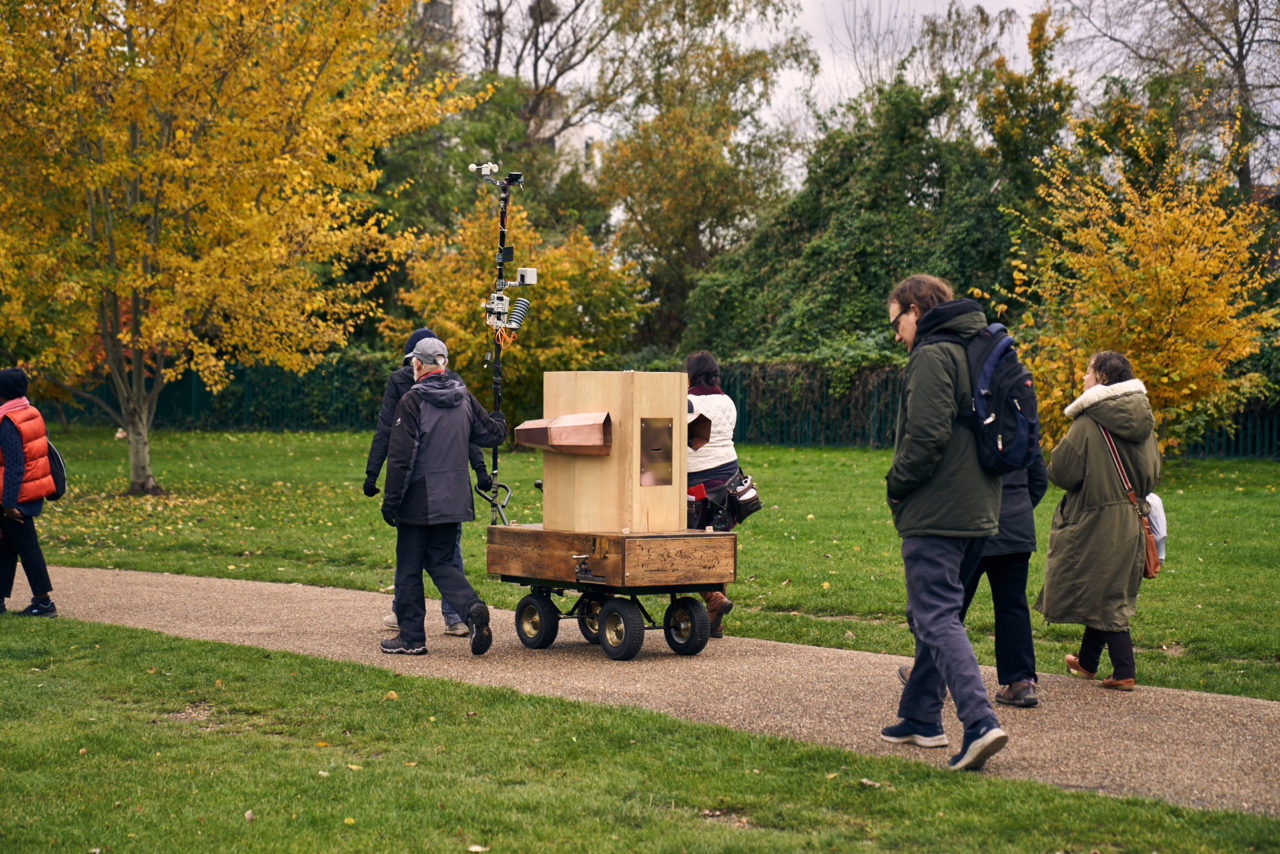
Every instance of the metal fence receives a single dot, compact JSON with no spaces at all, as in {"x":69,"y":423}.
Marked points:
{"x":793,"y":405}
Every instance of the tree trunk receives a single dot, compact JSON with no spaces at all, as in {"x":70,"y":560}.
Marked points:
{"x":141,"y":480}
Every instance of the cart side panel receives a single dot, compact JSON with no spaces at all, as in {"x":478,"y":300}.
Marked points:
{"x":674,"y":560}
{"x":528,"y":551}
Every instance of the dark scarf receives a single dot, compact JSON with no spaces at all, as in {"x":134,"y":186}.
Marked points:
{"x":705,"y":389}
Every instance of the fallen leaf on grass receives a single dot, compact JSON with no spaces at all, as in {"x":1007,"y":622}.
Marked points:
{"x":391,"y":695}
{"x":411,"y":764}
{"x":248,"y":816}
{"x":356,"y":767}
{"x":322,"y":744}
{"x":477,"y":848}
{"x":348,"y":820}
{"x":870,"y":783}
{"x":833,"y":775}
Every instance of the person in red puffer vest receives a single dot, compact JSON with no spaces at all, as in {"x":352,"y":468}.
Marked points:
{"x":25,"y":482}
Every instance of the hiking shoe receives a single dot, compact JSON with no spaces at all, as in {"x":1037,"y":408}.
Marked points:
{"x":1021,"y":693}
{"x":904,"y":673}
{"x":914,"y":732}
{"x":457,"y":630}
{"x":38,"y":608}
{"x":1118,"y":684}
{"x":478,"y":625}
{"x":391,"y":622}
{"x":716,"y":609}
{"x":981,"y":742}
{"x":1073,"y":666}
{"x":398,"y":645}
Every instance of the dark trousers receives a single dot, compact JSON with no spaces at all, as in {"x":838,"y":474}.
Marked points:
{"x":450,"y":616}
{"x":1015,"y":651}
{"x":19,"y":542}
{"x":1119,"y":644}
{"x":935,"y":595}
{"x":433,"y":549}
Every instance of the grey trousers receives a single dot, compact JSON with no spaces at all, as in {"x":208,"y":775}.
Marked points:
{"x":934,"y":568}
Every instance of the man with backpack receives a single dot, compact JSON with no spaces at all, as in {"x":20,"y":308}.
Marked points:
{"x":944,"y":505}
{"x":25,"y":482}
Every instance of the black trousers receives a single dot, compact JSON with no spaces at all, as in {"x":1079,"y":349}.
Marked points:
{"x":433,"y":549}
{"x":20,"y":543}
{"x":1119,"y":644}
{"x":1015,"y":650}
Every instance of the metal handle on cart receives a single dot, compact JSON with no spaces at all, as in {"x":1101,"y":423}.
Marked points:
{"x":497,"y":509}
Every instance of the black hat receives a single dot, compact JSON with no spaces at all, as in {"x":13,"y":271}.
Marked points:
{"x":418,"y":335}
{"x":13,"y":383}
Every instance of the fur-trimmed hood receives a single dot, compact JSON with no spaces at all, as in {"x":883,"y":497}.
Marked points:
{"x":1123,"y":408}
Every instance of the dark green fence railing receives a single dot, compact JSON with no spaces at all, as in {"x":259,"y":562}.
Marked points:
{"x":794,"y":405}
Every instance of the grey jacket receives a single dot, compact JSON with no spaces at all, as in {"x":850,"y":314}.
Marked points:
{"x":1094,"y":565}
{"x":936,"y":486}
{"x":427,"y":480}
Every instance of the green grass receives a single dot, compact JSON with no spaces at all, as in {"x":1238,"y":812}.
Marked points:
{"x":819,"y":565}
{"x":126,"y":740}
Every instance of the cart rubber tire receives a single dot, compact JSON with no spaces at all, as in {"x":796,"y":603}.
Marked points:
{"x":537,"y":621}
{"x":621,"y":629}
{"x":686,"y":626}
{"x":589,"y":616}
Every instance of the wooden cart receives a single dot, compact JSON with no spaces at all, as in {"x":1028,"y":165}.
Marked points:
{"x":609,"y":572}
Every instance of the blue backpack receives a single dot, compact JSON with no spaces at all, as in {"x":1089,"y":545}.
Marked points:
{"x":1003,"y":394}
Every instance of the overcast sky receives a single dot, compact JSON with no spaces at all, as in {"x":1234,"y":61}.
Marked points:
{"x":824,"y":21}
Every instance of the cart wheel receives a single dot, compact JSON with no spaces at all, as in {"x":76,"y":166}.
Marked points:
{"x":621,"y":629}
{"x":537,"y":621}
{"x":589,"y":617}
{"x":686,"y":626}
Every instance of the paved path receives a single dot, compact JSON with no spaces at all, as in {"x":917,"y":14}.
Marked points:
{"x":1198,"y":750}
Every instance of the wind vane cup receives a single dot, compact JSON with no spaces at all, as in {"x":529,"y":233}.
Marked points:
{"x":503,"y":316}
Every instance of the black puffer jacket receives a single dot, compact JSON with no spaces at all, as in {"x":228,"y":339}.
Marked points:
{"x":400,"y":381}
{"x":427,"y":480}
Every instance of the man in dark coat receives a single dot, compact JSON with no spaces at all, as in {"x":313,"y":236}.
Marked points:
{"x":944,"y":505}
{"x":400,"y":380}
{"x":428,"y":495}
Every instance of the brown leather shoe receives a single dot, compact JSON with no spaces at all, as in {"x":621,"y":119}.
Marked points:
{"x":1118,"y":684}
{"x":717,"y":606}
{"x":1073,"y":666}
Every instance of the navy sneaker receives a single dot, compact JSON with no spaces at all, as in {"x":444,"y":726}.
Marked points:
{"x":38,"y":608}
{"x":915,"y":732}
{"x":981,"y":742}
{"x":398,"y":645}
{"x":478,"y":623}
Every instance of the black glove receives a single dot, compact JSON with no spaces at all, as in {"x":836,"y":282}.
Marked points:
{"x":497,"y":415}
{"x":483,"y":480}
{"x":371,"y":486}
{"x":388,"y":517}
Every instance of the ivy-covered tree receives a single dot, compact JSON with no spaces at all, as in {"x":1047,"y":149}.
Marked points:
{"x":883,"y":198}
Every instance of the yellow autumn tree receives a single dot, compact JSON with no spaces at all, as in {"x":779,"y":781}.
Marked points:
{"x":583,"y":307}
{"x":1167,"y":273}
{"x":184,"y":185}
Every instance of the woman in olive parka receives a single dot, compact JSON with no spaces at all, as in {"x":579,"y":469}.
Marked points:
{"x":1096,"y":547}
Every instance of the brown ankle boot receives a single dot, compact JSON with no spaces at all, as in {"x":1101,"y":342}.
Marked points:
{"x":717,"y":606}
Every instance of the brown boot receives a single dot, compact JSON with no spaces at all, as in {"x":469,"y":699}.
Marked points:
{"x":717,"y":606}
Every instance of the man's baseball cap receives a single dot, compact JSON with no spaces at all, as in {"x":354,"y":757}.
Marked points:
{"x":431,"y":351}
